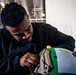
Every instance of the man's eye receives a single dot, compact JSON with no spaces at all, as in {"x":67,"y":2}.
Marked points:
{"x":28,"y":29}
{"x":18,"y":34}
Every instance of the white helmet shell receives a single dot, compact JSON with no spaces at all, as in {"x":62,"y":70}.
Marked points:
{"x":66,"y":61}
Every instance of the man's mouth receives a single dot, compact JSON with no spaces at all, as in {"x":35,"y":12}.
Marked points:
{"x":27,"y":40}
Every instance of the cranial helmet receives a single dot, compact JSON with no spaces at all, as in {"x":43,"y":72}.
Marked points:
{"x":56,"y":61}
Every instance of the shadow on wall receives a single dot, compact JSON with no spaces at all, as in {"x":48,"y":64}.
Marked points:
{"x":68,"y":30}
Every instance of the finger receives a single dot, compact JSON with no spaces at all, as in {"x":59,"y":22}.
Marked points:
{"x":34,"y":58}
{"x":30,"y":55}
{"x":27,"y":64}
{"x":31,"y":61}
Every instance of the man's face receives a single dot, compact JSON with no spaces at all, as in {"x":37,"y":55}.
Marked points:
{"x":23,"y":32}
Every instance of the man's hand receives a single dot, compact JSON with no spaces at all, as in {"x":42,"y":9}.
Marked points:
{"x":29,"y":60}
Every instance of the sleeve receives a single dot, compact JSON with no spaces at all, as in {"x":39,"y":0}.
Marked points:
{"x":59,"y":39}
{"x":7,"y":64}
{"x":10,"y":64}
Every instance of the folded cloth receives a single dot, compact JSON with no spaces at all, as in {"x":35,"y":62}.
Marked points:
{"x":45,"y":65}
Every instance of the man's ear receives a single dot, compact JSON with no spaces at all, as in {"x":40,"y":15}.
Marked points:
{"x":28,"y":16}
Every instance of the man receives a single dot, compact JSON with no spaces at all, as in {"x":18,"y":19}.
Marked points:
{"x":21,"y":40}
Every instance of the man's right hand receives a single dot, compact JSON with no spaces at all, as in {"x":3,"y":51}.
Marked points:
{"x":29,"y":60}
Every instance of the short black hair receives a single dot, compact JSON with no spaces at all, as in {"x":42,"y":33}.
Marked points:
{"x":13,"y":14}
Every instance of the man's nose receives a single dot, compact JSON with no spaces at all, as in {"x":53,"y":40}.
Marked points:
{"x":25,"y":36}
